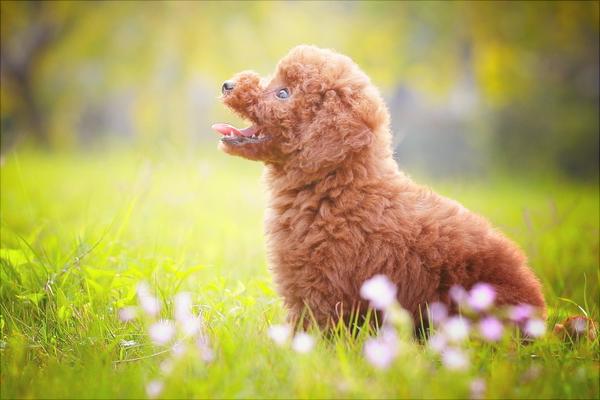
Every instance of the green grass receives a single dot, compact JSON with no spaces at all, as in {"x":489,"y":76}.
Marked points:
{"x":79,"y":231}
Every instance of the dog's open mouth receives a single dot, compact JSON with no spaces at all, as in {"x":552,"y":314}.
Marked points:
{"x":239,"y":137}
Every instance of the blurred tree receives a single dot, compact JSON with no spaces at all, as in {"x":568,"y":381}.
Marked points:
{"x":28,"y":32}
{"x":534,"y":66}
{"x":539,"y":66}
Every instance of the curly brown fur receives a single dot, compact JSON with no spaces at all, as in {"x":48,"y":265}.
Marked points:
{"x":340,"y":211}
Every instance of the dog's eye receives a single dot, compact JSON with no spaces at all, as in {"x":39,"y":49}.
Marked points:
{"x":283,"y":93}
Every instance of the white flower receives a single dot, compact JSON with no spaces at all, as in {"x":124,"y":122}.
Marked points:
{"x":456,"y":329}
{"x":150,"y":305}
{"x":388,"y":335}
{"x":154,"y":389}
{"x":380,"y":291}
{"x":482,"y":296}
{"x":127,"y":314}
{"x":190,"y":325}
{"x":162,"y":332}
{"x":455,"y":359}
{"x":178,"y":349}
{"x":148,"y":302}
{"x":378,"y":354}
{"x":183,"y":306}
{"x":143,"y":289}
{"x":206,"y":352}
{"x":280,"y":333}
{"x":381,"y":351}
{"x":535,"y":327}
{"x":303,"y":343}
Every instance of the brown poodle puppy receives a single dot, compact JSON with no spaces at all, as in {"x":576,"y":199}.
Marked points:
{"x":341,"y":212}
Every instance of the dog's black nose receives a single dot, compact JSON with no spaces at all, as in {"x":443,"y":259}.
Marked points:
{"x":227,"y":87}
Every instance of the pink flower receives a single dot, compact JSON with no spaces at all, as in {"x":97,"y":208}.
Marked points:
{"x":481,"y":296}
{"x":303,"y":343}
{"x":535,"y":327}
{"x":380,"y":291}
{"x":477,"y":388}
{"x":438,"y":313}
{"x":280,"y":334}
{"x":162,"y":332}
{"x":381,"y":351}
{"x":456,"y":329}
{"x":579,"y":325}
{"x":388,"y":335}
{"x":437,"y":342}
{"x":455,"y":359}
{"x":127,"y":314}
{"x":458,"y":294}
{"x":154,"y":389}
{"x":207,"y":354}
{"x":491,"y":329}
{"x":520,"y":313}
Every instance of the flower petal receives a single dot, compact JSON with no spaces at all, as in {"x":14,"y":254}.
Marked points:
{"x":162,"y":332}
{"x":481,"y":296}
{"x":303,"y":343}
{"x":280,"y":334}
{"x":491,"y":329}
{"x":380,"y":291}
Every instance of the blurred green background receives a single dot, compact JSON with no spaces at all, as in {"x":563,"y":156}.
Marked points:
{"x":472,"y":87}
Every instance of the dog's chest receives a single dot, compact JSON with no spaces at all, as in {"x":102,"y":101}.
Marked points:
{"x":312,"y":233}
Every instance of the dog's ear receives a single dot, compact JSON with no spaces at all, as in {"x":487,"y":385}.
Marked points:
{"x":337,"y":131}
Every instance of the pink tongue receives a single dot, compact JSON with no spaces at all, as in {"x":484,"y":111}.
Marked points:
{"x":226,"y":129}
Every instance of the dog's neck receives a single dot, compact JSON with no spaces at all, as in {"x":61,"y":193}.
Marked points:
{"x":357,"y":168}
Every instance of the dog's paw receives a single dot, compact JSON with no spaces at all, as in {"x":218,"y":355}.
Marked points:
{"x":576,"y":327}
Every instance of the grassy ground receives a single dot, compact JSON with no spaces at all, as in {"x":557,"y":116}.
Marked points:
{"x":80,"y":231}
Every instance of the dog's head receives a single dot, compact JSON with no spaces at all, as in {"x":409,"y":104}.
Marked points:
{"x":318,"y":109}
